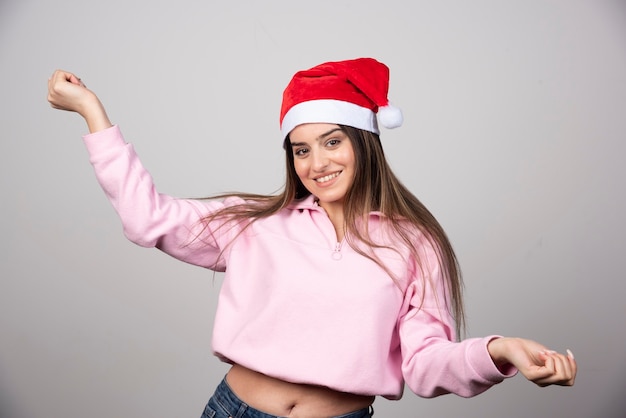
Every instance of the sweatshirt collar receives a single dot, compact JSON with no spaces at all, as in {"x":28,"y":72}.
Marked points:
{"x":310,"y":203}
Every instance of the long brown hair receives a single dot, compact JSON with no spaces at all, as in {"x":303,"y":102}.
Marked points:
{"x":375,"y":188}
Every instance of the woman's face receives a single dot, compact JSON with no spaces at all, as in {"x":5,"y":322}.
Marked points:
{"x":324,"y":161}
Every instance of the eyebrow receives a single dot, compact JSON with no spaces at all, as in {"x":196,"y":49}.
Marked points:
{"x":322,"y":136}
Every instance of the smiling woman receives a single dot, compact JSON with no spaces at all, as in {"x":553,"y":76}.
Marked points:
{"x":345,"y":250}
{"x":325,"y":164}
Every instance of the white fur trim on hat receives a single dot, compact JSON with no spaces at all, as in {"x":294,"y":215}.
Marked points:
{"x":330,"y":111}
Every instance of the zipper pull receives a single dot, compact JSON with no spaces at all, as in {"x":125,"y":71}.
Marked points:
{"x":336,"y":255}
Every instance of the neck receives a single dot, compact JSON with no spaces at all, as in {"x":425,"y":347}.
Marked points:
{"x":335,"y":214}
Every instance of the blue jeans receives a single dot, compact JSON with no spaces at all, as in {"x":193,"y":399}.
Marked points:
{"x":225,"y":404}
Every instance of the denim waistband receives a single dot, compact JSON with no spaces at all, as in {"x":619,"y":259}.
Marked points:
{"x":225,"y":401}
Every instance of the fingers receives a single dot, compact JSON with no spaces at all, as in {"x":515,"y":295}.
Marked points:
{"x":573,"y":363}
{"x":75,"y":80}
{"x":66,"y":91}
{"x":60,"y":77}
{"x":558,"y":369}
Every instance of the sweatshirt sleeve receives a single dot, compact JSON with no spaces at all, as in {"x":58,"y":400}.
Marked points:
{"x":433,"y":363}
{"x":151,"y":219}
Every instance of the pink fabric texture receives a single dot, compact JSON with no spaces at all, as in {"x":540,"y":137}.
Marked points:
{"x":297,"y":305}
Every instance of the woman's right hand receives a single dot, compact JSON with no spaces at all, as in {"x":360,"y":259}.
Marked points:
{"x":67,"y":92}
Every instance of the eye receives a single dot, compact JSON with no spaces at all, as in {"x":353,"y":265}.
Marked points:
{"x":300,"y":152}
{"x":333,"y":142}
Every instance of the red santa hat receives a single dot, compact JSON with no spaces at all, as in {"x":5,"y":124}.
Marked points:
{"x":351,"y":93}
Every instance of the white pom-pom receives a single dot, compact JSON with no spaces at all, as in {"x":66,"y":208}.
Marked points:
{"x":390,"y":116}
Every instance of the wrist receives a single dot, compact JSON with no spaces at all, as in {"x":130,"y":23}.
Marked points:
{"x":94,"y":114}
{"x":497,"y":349}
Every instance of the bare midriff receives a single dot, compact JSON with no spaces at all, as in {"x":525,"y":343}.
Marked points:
{"x":277,"y":397}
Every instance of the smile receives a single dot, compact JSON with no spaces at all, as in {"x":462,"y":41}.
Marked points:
{"x":327,"y":178}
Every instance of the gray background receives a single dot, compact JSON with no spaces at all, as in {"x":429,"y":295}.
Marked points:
{"x":513,"y":136}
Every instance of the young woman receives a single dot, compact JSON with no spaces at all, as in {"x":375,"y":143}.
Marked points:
{"x":341,"y":288}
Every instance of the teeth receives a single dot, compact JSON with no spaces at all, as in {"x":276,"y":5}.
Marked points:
{"x":327,"y":178}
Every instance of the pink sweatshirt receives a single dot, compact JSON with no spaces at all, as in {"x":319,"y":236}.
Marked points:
{"x":297,"y":305}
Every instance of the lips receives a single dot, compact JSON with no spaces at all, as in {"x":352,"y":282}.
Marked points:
{"x":327,"y":178}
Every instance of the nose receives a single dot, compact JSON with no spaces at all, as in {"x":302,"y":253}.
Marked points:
{"x":320,"y":161}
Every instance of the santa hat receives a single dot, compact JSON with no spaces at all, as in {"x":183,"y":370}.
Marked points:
{"x":348,"y":93}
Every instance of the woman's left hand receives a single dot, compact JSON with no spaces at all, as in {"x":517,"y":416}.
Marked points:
{"x":537,"y":363}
